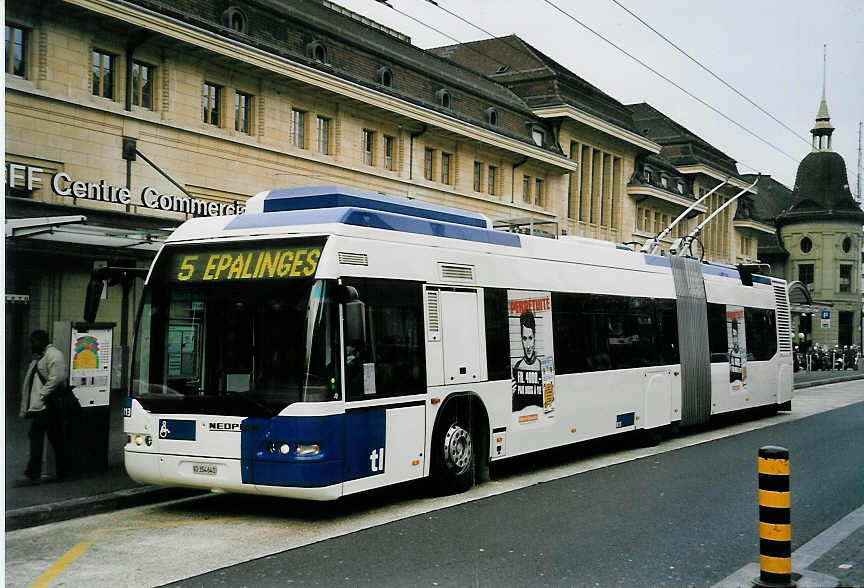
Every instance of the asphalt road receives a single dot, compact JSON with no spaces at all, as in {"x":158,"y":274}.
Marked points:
{"x":680,"y":518}
{"x":607,"y":512}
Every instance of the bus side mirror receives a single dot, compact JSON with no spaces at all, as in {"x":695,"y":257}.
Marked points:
{"x":91,"y":301}
{"x":355,"y":323}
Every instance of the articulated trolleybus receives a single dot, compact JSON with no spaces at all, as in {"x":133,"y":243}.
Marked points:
{"x":329,"y":341}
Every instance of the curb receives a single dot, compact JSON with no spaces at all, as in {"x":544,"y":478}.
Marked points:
{"x":834,"y":380}
{"x":31,"y":516}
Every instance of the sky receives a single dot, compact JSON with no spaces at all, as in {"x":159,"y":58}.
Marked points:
{"x":770,"y":50}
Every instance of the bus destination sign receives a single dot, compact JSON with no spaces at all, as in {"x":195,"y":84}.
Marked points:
{"x":248,"y":264}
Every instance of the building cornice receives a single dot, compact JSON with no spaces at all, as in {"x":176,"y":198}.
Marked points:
{"x":573,"y":113}
{"x":700,"y":168}
{"x":754,"y":225}
{"x":659,"y":194}
{"x":238,"y":51}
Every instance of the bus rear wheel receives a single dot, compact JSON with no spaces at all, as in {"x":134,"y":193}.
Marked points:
{"x":454,"y":456}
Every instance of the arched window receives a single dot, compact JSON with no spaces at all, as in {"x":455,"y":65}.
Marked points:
{"x":806,"y":245}
{"x":235,"y":19}
{"x":443,"y":97}
{"x":384,"y":76}
{"x":492,"y":116}
{"x":847,"y":244}
{"x":317,"y":51}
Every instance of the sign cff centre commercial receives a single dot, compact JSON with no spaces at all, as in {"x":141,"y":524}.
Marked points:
{"x":27,"y":177}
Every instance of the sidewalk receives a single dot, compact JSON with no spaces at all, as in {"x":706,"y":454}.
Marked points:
{"x":81,"y":495}
{"x":113,"y":489}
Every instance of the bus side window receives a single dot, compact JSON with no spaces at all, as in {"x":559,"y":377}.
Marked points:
{"x":497,"y":334}
{"x":392,"y":361}
{"x":761,"y":333}
{"x":718,"y":343}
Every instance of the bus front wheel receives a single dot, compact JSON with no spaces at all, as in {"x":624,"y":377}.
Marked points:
{"x":454,"y":451}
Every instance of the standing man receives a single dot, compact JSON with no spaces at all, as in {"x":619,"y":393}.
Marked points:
{"x":527,"y":380}
{"x":45,"y":378}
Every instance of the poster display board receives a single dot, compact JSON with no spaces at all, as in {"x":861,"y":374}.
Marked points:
{"x":737,"y":338}
{"x":531,"y":357}
{"x":90,"y":365}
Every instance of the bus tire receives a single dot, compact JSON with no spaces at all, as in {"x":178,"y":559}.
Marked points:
{"x":454,"y":455}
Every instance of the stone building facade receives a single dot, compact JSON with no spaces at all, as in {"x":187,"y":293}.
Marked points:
{"x":125,"y":118}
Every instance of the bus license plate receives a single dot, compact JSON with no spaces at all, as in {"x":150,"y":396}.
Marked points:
{"x":204,"y":469}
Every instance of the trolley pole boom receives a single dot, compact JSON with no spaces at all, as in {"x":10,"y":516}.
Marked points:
{"x":650,"y":246}
{"x":695,"y":232}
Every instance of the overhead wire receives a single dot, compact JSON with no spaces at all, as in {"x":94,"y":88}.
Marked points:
{"x":704,"y":67}
{"x":669,"y":80}
{"x":442,"y":33}
{"x":640,"y":62}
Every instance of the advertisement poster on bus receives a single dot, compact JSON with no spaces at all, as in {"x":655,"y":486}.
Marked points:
{"x":531,"y":356}
{"x":737,"y":347}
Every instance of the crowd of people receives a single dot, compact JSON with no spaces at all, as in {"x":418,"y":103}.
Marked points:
{"x":817,"y":357}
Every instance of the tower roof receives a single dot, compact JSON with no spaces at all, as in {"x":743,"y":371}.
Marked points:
{"x":822,"y":191}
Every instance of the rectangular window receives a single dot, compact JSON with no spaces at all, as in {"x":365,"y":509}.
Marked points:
{"x":478,"y":171}
{"x":242,"y":112}
{"x":594,"y":332}
{"x":526,"y":189}
{"x":298,"y":128}
{"x":16,"y":51}
{"x":805,"y":274}
{"x":323,"y":135}
{"x":491,"y":179}
{"x":639,"y":213}
{"x":845,"y":278}
{"x":657,"y":226}
{"x":761,"y":333}
{"x":646,"y":221}
{"x":142,"y":84}
{"x":497,"y":334}
{"x":428,"y":156}
{"x":368,"y":147}
{"x":103,"y":74}
{"x":445,"y":168}
{"x":718,"y":343}
{"x":210,"y":100}
{"x":539,"y":195}
{"x":389,"y":142}
{"x":394,"y":350}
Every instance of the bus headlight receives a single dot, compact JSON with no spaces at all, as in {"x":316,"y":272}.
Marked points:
{"x":271,"y":447}
{"x":308,"y":450}
{"x":139,"y":439}
{"x":148,"y":440}
{"x":284,"y":449}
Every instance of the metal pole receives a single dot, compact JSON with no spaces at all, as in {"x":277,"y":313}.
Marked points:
{"x":775,"y":528}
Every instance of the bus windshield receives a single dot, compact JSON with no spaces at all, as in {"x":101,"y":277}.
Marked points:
{"x":240,"y":348}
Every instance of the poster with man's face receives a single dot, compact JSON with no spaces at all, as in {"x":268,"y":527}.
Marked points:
{"x":737,"y":347}
{"x":531,"y":356}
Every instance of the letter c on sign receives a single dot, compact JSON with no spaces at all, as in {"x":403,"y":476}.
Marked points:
{"x":148,"y":191}
{"x":58,"y":187}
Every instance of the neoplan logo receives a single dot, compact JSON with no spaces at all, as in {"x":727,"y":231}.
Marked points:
{"x":230,"y":427}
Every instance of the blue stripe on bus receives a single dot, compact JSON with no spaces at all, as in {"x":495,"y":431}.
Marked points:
{"x":339,"y":197}
{"x":374,"y":219}
{"x":352,"y":446}
{"x":713,"y":269}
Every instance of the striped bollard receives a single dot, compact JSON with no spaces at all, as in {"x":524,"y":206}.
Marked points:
{"x":775,"y":529}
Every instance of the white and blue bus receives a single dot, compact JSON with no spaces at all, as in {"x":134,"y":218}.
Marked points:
{"x":329,"y":341}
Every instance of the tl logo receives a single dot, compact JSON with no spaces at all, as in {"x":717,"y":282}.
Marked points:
{"x":376,"y":459}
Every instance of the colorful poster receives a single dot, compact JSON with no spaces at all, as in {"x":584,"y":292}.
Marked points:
{"x":737,"y":338}
{"x":90,"y":366}
{"x":531,"y":356}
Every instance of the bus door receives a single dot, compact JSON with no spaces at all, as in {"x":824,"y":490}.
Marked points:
{"x":658,"y":397}
{"x":385,"y":384}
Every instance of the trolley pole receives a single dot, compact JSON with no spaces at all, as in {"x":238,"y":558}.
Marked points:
{"x":775,"y":529}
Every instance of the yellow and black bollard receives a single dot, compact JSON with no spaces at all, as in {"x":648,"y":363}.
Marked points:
{"x":775,"y":529}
